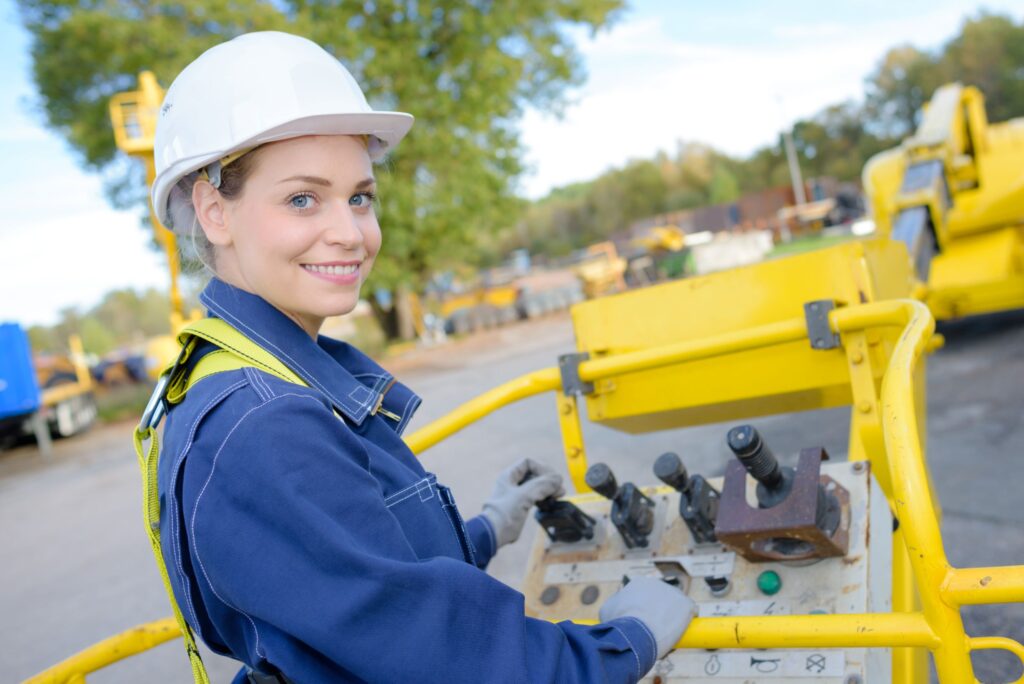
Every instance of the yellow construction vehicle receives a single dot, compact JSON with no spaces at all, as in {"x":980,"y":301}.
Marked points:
{"x":133,"y":115}
{"x":43,"y":394}
{"x":839,"y":575}
{"x":601,"y":269}
{"x":954,"y":194}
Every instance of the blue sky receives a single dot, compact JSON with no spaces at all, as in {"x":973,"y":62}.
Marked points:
{"x":729,"y":74}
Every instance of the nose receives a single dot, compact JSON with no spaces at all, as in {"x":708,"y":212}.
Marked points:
{"x":343,"y":226}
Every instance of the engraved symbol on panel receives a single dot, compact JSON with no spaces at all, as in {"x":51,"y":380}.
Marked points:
{"x":765,"y":665}
{"x":713,"y":666}
{"x":815,"y":663}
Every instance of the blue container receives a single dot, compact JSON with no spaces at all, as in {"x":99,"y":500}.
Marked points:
{"x":19,"y":390}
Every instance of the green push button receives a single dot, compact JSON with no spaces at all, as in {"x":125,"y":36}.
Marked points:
{"x":769,"y":582}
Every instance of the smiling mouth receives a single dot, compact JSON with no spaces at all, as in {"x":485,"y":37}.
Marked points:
{"x":336,"y":270}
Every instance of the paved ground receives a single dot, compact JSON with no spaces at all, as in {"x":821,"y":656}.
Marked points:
{"x":77,"y":569}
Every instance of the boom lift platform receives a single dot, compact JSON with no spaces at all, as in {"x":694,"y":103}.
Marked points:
{"x":822,"y":572}
{"x":954,"y":194}
{"x":133,"y":115}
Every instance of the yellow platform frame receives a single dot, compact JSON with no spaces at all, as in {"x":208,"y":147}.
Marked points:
{"x":881,"y":344}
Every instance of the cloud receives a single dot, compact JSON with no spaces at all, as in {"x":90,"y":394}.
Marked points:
{"x":56,"y":262}
{"x":648,"y":89}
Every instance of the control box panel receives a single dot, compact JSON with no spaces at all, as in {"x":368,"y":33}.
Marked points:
{"x":736,"y":549}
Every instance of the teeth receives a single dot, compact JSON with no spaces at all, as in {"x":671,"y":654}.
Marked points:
{"x":332,"y":270}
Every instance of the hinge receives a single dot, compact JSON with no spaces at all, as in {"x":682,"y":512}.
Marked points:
{"x":569,"y":366}
{"x":818,"y":328}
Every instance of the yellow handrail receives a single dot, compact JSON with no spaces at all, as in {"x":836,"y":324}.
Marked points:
{"x":118,"y":647}
{"x":942,"y":588}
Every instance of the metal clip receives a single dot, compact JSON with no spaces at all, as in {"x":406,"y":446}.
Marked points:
{"x":155,"y":407}
{"x":818,"y":328}
{"x":569,"y":366}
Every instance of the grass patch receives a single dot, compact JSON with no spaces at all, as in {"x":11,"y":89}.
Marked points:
{"x":122,"y":402}
{"x":808,"y":243}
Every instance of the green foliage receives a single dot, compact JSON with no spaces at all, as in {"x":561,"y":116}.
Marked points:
{"x":988,"y":53}
{"x":836,"y":142}
{"x":122,"y":317}
{"x":465,"y":68}
{"x":898,"y":88}
{"x":723,"y":187}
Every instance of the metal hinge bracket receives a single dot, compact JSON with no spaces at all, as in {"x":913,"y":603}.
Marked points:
{"x":569,"y":366}
{"x":818,"y":329}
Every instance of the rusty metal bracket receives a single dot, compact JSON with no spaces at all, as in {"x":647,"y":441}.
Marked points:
{"x":569,"y":367}
{"x":818,"y":329}
{"x":787,"y":531}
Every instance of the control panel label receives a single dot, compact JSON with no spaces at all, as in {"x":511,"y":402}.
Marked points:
{"x":751,"y":607}
{"x":757,"y":665}
{"x":713,"y":564}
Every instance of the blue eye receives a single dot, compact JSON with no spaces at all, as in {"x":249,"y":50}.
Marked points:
{"x":362,"y":199}
{"x":301,"y":201}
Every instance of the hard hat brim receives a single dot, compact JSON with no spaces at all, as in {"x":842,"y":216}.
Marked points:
{"x":388,"y":127}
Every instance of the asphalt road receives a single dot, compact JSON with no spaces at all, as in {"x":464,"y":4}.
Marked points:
{"x":76,"y":567}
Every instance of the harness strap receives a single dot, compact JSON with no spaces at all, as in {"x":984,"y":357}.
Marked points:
{"x":151,"y":516}
{"x":234,"y":351}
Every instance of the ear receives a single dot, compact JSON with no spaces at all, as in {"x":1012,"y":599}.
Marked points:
{"x":210,"y":212}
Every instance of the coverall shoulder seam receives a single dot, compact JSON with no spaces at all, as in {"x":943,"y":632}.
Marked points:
{"x":259,"y":385}
{"x":202,"y":491}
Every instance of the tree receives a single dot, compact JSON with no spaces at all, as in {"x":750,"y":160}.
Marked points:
{"x":903,"y":81}
{"x":989,"y":54}
{"x":465,"y":68}
{"x":723,"y":187}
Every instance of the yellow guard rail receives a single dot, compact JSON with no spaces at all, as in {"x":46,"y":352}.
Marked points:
{"x":921,"y":571}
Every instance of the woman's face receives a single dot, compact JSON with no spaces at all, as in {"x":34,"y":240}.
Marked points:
{"x":303,"y":233}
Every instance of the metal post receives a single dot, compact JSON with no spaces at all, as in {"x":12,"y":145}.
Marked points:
{"x":794,"y":168}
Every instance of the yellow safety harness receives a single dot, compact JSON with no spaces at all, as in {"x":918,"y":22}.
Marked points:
{"x":234,"y":351}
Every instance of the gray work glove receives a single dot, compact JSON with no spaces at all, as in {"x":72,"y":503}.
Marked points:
{"x":662,"y":608}
{"x":511,"y":501}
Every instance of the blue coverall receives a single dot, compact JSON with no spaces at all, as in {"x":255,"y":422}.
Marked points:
{"x":318,"y":547}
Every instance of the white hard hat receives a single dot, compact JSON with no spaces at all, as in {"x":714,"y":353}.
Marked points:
{"x":254,"y":89}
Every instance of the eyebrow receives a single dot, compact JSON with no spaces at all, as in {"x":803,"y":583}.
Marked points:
{"x":317,"y":180}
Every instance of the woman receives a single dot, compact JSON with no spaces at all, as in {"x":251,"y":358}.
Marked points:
{"x":301,"y":536}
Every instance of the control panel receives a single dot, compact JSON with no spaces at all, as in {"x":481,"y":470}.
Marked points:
{"x":765,"y":539}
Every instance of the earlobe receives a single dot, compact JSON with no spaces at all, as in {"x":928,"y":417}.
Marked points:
{"x":210,"y":212}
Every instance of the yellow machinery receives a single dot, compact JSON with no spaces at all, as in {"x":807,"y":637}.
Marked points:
{"x":66,"y":393}
{"x":133,"y":115}
{"x":880,"y":592}
{"x":954,"y":194}
{"x":481,"y":308}
{"x":602,"y":270}
{"x":661,"y":239}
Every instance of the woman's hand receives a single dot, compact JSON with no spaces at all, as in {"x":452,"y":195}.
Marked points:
{"x":663,"y":609}
{"x":518,"y":488}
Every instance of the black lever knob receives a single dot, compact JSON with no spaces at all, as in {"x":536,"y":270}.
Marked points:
{"x":773,"y":482}
{"x":745,"y":441}
{"x":670,"y":470}
{"x":600,"y":478}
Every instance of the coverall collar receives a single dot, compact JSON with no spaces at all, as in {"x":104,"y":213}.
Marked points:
{"x":352,"y":381}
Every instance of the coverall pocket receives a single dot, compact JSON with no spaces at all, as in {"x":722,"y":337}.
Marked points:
{"x":431,"y":522}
